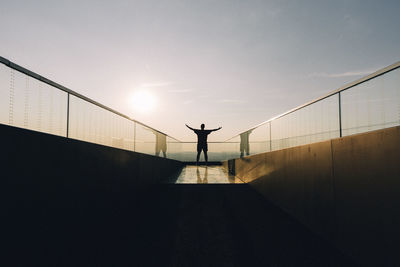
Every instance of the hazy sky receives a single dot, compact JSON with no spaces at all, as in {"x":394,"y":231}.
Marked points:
{"x":225,"y":63}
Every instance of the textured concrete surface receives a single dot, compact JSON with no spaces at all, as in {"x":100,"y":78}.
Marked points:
{"x":346,"y":190}
{"x":39,"y":169}
{"x":29,"y":154}
{"x":367,"y":193}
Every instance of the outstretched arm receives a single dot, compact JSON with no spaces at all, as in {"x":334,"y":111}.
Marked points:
{"x":213,"y":130}
{"x":189,"y":127}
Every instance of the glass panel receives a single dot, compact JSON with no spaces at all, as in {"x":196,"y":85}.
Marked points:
{"x":31,"y":104}
{"x":174,"y":148}
{"x":255,"y":141}
{"x":18,"y":92}
{"x":313,"y":123}
{"x":146,"y":140}
{"x":391,"y":85}
{"x":372,"y":105}
{"x":231,"y":148}
{"x":5,"y":89}
{"x":217,"y":151}
{"x":189,"y":151}
{"x":91,"y":123}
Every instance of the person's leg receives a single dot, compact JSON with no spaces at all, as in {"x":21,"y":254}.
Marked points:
{"x":205,"y":156}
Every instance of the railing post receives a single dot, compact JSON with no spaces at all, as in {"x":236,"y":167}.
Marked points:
{"x":67,"y":115}
{"x":134,"y":136}
{"x":340,"y":115}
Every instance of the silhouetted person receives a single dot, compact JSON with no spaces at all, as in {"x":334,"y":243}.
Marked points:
{"x":202,"y":141}
{"x":244,"y":143}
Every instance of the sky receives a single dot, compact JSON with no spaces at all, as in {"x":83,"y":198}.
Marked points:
{"x":224,"y":63}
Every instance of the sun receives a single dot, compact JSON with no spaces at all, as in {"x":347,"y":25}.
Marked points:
{"x":143,"y":101}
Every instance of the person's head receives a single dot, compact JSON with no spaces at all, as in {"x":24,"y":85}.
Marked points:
{"x":202,"y":126}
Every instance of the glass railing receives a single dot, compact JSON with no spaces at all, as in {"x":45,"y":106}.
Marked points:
{"x":217,"y":151}
{"x":368,"y":104}
{"x":30,"y":101}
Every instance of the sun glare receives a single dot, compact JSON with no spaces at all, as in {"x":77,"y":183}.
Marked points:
{"x":143,"y":101}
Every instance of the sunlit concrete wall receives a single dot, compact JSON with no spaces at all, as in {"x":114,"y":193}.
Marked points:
{"x":345,"y":189}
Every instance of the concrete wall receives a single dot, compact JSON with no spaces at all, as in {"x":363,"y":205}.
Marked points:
{"x":347,"y":190}
{"x":44,"y":170}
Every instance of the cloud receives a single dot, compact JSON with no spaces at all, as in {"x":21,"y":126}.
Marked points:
{"x":339,"y":75}
{"x":180,"y":91}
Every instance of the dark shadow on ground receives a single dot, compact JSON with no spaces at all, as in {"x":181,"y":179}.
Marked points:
{"x":163,"y":225}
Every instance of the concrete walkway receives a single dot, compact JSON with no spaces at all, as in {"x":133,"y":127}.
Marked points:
{"x":165,"y":225}
{"x":214,"y":174}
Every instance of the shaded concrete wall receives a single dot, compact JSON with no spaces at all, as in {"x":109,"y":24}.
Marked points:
{"x":46,"y":170}
{"x":346,"y":189}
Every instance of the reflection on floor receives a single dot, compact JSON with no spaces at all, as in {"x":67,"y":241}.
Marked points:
{"x":192,"y":174}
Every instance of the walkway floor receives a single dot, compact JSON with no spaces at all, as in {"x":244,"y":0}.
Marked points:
{"x":165,"y":225}
{"x":192,"y":174}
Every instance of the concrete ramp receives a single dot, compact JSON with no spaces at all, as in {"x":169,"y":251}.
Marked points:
{"x":165,"y":225}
